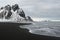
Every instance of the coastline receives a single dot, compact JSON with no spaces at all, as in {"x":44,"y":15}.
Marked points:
{"x":15,"y":32}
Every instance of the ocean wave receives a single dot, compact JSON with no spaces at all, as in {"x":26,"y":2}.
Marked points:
{"x":44,"y":28}
{"x":44,"y":19}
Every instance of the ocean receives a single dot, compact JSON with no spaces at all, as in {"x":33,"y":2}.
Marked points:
{"x":48,"y":28}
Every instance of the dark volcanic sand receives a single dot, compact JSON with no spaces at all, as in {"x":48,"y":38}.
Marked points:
{"x":17,"y":33}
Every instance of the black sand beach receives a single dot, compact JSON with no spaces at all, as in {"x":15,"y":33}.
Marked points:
{"x":14,"y":32}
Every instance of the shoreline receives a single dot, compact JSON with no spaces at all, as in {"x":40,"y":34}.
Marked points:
{"x":15,"y":32}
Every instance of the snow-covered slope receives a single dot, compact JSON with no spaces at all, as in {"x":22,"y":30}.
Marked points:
{"x":15,"y":17}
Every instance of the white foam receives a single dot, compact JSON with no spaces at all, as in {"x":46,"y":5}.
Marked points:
{"x":44,"y":19}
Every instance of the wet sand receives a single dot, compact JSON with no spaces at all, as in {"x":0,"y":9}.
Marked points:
{"x":14,"y":32}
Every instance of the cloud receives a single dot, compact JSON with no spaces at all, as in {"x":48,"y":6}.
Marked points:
{"x":10,"y":2}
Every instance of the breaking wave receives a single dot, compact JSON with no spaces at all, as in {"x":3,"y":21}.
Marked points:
{"x":44,"y":19}
{"x":43,"y":27}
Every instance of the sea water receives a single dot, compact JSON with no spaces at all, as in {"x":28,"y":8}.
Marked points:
{"x":48,"y":28}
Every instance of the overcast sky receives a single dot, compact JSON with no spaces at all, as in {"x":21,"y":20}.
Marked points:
{"x":37,"y":8}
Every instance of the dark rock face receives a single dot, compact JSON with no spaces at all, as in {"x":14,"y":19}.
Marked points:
{"x":15,"y":7}
{"x":22,"y":14}
{"x":1,"y":8}
{"x":29,"y":18}
{"x":1,"y":14}
{"x":8,"y":15}
{"x":8,"y":8}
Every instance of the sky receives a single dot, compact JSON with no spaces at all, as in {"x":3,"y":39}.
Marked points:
{"x":37,"y":8}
